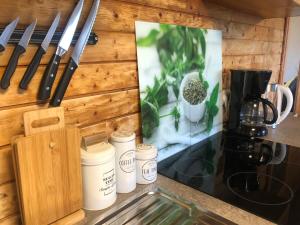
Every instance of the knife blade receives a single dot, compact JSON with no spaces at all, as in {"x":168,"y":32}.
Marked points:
{"x":6,"y":34}
{"x":63,"y":46}
{"x":18,"y":51}
{"x":34,"y":64}
{"x":75,"y":57}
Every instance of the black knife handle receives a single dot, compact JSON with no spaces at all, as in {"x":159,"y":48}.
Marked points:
{"x":48,"y":78}
{"x":32,"y":68}
{"x":63,"y":83}
{"x":2,"y":48}
{"x":11,"y":67}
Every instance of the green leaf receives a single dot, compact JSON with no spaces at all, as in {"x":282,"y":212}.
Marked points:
{"x":207,"y":104}
{"x":148,"y":40}
{"x":175,"y":87}
{"x":201,"y":75}
{"x":206,"y":85}
{"x":214,"y":95}
{"x":211,"y":107}
{"x":209,"y":123}
{"x":160,"y":92}
{"x":199,"y":34}
{"x":181,"y":50}
{"x":150,"y":117}
{"x":202,"y":42}
{"x":176,"y":114}
{"x":214,"y":110}
{"x":164,"y":27}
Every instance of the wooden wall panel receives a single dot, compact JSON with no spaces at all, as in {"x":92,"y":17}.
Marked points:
{"x":103,"y":77}
{"x":88,"y":79}
{"x":112,"y":46}
{"x":11,"y":220}
{"x":79,"y":111}
{"x":108,"y":126}
{"x":6,"y":165}
{"x":8,"y":200}
{"x":208,"y":9}
{"x":103,"y":95}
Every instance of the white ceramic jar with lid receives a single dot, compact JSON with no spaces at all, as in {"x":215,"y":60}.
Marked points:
{"x":146,"y":163}
{"x":124,"y":142}
{"x":98,"y":175}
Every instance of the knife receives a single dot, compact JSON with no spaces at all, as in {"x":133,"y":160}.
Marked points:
{"x":34,"y":64}
{"x":6,"y":34}
{"x":63,"y":46}
{"x":74,"y":60}
{"x":18,"y":51}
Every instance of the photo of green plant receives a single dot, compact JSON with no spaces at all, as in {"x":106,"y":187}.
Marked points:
{"x":180,"y":78}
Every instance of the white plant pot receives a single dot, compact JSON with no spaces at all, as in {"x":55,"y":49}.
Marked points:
{"x":194,"y":113}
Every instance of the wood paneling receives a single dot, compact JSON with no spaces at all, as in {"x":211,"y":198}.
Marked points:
{"x":265,"y":9}
{"x":132,"y":121}
{"x":103,"y":77}
{"x":11,"y":220}
{"x":8,"y":200}
{"x":108,"y":126}
{"x":6,"y":165}
{"x":80,"y":111}
{"x":88,"y":79}
{"x":103,"y":94}
{"x":112,"y":46}
{"x":206,"y":8}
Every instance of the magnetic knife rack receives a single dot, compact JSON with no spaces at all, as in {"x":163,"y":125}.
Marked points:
{"x":39,"y":35}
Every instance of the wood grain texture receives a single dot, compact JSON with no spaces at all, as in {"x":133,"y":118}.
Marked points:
{"x":284,"y":50}
{"x":131,"y":121}
{"x":6,"y":165}
{"x":88,"y":78}
{"x":48,"y":171}
{"x":207,"y":8}
{"x":103,"y":77}
{"x":265,"y":9}
{"x":103,"y":94}
{"x":36,"y":9}
{"x":8,"y":200}
{"x":80,"y":111}
{"x":11,"y":220}
{"x":31,"y":118}
{"x":112,"y":46}
{"x":121,"y":47}
{"x":121,"y":17}
{"x":71,"y":219}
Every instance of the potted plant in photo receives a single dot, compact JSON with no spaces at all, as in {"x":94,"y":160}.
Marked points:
{"x":193,"y":93}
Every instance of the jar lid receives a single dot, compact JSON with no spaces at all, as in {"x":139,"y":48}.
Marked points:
{"x":145,"y":151}
{"x":122,"y":136}
{"x":97,"y":154}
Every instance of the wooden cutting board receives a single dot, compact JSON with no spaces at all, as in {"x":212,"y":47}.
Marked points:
{"x":47,"y":166}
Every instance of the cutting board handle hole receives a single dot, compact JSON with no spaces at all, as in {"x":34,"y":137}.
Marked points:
{"x":45,"y":122}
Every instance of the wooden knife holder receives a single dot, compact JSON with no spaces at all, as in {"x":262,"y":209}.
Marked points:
{"x":47,"y":169}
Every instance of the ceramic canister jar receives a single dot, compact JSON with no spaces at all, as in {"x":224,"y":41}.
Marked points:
{"x":146,"y":164}
{"x":124,"y":142}
{"x":98,"y":175}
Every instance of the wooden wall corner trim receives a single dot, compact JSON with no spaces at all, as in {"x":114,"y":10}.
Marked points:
{"x":284,"y":50}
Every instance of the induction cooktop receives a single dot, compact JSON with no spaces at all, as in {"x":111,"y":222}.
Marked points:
{"x":259,"y":176}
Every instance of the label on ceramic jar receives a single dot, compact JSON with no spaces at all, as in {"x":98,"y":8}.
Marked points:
{"x":108,"y":182}
{"x":149,"y":170}
{"x":127,"y":161}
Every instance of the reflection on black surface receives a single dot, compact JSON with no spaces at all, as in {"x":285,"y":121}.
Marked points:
{"x":256,"y":175}
{"x":260,"y":189}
